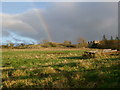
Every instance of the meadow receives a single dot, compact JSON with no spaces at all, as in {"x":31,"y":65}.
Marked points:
{"x":58,"y":68}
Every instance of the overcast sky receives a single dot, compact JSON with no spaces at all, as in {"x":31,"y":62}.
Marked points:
{"x":36,"y":21}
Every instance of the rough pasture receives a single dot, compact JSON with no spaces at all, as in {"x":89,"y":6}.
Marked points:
{"x":58,"y":68}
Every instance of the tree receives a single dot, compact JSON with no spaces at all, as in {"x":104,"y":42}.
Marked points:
{"x":104,"y":37}
{"x":117,"y":38}
{"x":67,"y":43}
{"x":22,"y":44}
{"x":45,"y":41}
{"x":81,"y":42}
{"x":111,"y":38}
{"x":10,"y":44}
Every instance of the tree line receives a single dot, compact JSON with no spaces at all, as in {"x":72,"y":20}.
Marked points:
{"x":105,"y":43}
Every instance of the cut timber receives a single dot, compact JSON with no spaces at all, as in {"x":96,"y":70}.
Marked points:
{"x":110,"y":52}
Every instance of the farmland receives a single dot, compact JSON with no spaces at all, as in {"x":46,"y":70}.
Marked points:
{"x":58,"y":68}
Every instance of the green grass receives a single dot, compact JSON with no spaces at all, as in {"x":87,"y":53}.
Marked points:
{"x":58,"y":69}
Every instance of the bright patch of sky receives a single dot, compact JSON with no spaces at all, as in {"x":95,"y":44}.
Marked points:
{"x":19,"y":7}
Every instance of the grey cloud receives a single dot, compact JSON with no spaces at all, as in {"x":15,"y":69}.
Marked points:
{"x":66,"y":21}
{"x":90,"y":20}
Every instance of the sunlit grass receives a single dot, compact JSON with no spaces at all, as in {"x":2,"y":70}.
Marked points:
{"x":58,"y":68}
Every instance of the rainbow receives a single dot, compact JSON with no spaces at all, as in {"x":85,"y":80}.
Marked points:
{"x":44,"y":25}
{"x":43,"y":22}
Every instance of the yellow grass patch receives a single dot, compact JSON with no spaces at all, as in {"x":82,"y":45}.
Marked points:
{"x":49,"y":70}
{"x":18,"y":73}
{"x":5,"y":68}
{"x":17,"y":83}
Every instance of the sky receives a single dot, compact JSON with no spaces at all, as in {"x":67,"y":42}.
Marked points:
{"x":58,"y":21}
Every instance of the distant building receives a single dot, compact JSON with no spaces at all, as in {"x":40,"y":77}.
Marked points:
{"x":93,"y":43}
{"x":97,"y":42}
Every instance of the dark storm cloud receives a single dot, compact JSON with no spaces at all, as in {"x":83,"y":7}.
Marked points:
{"x":66,"y":21}
{"x":89,"y":20}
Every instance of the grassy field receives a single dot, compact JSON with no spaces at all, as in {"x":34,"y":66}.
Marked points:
{"x":58,"y":68}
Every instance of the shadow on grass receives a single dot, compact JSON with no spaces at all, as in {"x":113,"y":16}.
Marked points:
{"x":118,"y":58}
{"x":106,"y":77}
{"x":65,"y":64}
{"x":77,"y":57}
{"x":88,"y":79}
